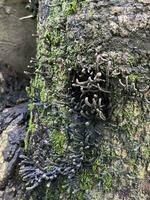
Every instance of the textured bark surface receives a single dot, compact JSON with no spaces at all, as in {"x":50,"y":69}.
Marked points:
{"x":12,"y":132}
{"x":106,"y":37}
{"x":69,"y":155}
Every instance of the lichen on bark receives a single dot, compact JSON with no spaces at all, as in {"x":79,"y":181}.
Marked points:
{"x":91,"y":123}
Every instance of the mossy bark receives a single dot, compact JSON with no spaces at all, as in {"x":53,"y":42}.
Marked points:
{"x":105,"y":155}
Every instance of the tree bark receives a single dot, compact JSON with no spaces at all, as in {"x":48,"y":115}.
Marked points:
{"x":94,"y":56}
{"x":88,"y":136}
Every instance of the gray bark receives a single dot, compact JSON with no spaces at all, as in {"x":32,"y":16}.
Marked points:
{"x":113,"y":35}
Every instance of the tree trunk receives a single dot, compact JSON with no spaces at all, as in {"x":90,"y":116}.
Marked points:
{"x":92,"y":83}
{"x":88,"y":134}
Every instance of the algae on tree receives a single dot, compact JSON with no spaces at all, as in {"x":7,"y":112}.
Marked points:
{"x":92,"y":87}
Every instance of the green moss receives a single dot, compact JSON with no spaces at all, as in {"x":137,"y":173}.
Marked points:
{"x":86,"y":180}
{"x":133,"y":77}
{"x":102,"y":173}
{"x":131,"y":60}
{"x":58,"y":140}
{"x":107,"y":181}
{"x":96,"y":168}
{"x":31,"y":126}
{"x":70,"y":8}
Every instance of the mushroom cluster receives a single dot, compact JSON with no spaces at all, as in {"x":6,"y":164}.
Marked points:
{"x":141,"y":85}
{"x":91,"y":91}
{"x":33,"y":175}
{"x":89,"y":94}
